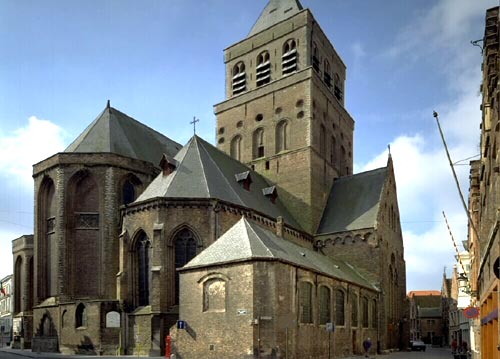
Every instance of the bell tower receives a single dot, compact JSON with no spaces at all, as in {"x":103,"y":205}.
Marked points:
{"x":284,"y":112}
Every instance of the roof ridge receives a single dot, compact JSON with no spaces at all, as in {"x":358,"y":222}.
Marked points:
{"x":217,"y":167}
{"x":364,"y":173}
{"x":249,"y":225}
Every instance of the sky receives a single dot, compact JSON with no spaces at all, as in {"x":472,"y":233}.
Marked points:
{"x":161,"y":62}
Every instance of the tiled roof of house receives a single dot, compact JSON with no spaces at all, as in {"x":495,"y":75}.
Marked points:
{"x":353,"y":202}
{"x":275,"y":12}
{"x":115,"y":132}
{"x":247,"y":241}
{"x":203,"y":171}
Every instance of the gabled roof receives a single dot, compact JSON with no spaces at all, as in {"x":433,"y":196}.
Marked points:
{"x":203,"y":171}
{"x":115,"y":132}
{"x":275,"y":12}
{"x":247,"y":241}
{"x":353,"y":202}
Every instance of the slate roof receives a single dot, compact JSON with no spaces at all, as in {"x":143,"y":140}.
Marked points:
{"x":115,"y":132}
{"x":247,"y":241}
{"x":203,"y":171}
{"x":275,"y":12}
{"x":353,"y":202}
{"x":430,"y":313}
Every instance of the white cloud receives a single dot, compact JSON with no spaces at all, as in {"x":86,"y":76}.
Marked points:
{"x":28,"y":145}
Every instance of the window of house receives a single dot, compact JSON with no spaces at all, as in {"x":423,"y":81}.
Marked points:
{"x":339,"y":307}
{"x":282,"y":136}
{"x":364,"y":312}
{"x":80,"y":316}
{"x":214,"y":295}
{"x":354,"y":310}
{"x":263,"y":75}
{"x":305,"y":302}
{"x":185,"y":250}
{"x":239,"y":83}
{"x":289,"y":57}
{"x":324,"y":305}
{"x":258,"y":143}
{"x":235,"y":150}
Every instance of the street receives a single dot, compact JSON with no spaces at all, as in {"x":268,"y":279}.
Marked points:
{"x":430,"y":353}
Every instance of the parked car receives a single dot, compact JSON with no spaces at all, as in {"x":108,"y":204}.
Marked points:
{"x":417,"y":345}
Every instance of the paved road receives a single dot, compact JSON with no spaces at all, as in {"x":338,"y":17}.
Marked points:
{"x":430,"y":353}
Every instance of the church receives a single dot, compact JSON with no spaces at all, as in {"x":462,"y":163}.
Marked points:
{"x":263,"y":246}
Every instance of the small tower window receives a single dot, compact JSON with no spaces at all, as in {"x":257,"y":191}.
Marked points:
{"x":263,"y":75}
{"x":236,"y":148}
{"x":289,"y":57}
{"x":239,"y":78}
{"x":271,"y":193}
{"x":282,"y":136}
{"x":258,"y":143}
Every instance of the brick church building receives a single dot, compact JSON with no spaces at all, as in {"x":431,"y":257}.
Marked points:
{"x":254,"y":248}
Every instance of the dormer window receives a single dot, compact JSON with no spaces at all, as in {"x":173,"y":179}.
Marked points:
{"x":239,"y":78}
{"x":168,"y":164}
{"x":244,"y":179}
{"x":289,"y":57}
{"x":263,"y":69}
{"x":271,"y":193}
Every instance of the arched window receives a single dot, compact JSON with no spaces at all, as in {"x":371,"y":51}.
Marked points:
{"x":343,"y":161}
{"x":282,"y":136}
{"x":305,"y":302}
{"x":143,"y":268}
{"x":47,"y":269}
{"x":289,"y":57}
{"x":18,"y":280}
{"x":47,"y":328}
{"x":239,"y":83}
{"x":322,"y":141}
{"x":333,"y":151}
{"x":324,"y":305}
{"x":339,"y":307}
{"x":64,"y":319}
{"x":130,"y":189}
{"x":214,"y":295}
{"x":258,"y":143}
{"x":374,"y":314}
{"x":236,"y":147}
{"x":185,"y":250}
{"x":354,"y":310}
{"x":84,"y":242}
{"x":80,"y":316}
{"x":364,"y":312}
{"x":263,"y":75}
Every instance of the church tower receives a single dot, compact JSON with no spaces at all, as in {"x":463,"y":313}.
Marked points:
{"x":284,"y":112}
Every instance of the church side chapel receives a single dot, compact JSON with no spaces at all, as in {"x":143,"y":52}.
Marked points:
{"x":265,"y":246}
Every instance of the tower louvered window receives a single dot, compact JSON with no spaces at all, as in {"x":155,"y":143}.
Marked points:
{"x":289,"y":57}
{"x":263,"y":69}
{"x":239,"y":78}
{"x":315,"y":57}
{"x":327,"y":78}
{"x":337,"y":87}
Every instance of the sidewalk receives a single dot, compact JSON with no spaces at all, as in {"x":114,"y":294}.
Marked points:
{"x":29,"y":354}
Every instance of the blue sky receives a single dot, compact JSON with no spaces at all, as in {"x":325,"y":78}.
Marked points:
{"x":161,"y":62}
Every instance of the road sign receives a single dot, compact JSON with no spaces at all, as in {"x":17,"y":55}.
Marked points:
{"x":181,"y":324}
{"x":471,"y":312}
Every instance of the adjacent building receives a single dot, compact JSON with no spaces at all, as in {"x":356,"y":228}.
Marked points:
{"x":6,"y":310}
{"x":426,"y":316}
